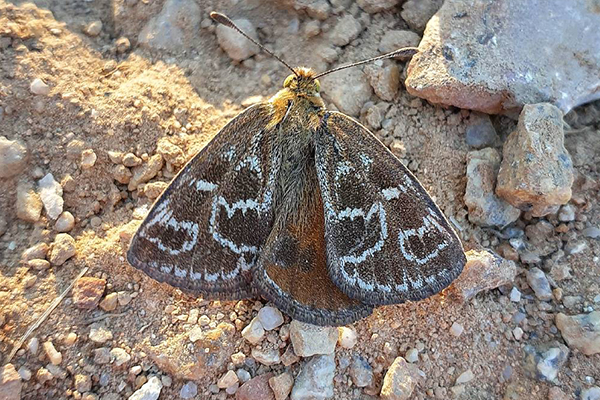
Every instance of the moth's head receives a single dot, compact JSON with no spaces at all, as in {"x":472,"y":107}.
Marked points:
{"x":303,"y":83}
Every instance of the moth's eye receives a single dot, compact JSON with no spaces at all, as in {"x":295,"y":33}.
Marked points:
{"x":288,"y":81}
{"x":318,"y":85}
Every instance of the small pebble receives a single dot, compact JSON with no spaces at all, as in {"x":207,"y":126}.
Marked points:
{"x":515,"y":295}
{"x":93,"y":28}
{"x":88,"y":159}
{"x":65,"y":222}
{"x":53,"y":355}
{"x":456,"y":329}
{"x":465,"y":377}
{"x":188,"y":391}
{"x":270,"y":318}
{"x":227,"y":380}
{"x":347,"y":337}
{"x":39,"y":87}
{"x":412,"y":355}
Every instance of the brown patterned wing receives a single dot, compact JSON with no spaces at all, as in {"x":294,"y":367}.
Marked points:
{"x":292,"y":271}
{"x":387,"y":241}
{"x":205,"y":231}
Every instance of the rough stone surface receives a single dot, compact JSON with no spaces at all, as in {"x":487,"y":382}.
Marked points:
{"x":348,"y":90}
{"x":149,"y":390}
{"x":592,"y":393}
{"x":254,"y":331}
{"x":310,"y":339}
{"x":375,"y":6}
{"x":188,"y":391}
{"x":485,"y":207}
{"x":538,"y":282}
{"x":13,"y":157}
{"x":399,"y":381}
{"x":315,"y":380}
{"x":99,"y":333}
{"x":236,"y":46}
{"x":417,"y":13}
{"x":29,"y":205}
{"x":266,"y":356}
{"x":282,"y":385}
{"x":346,"y":30}
{"x":10,"y":383}
{"x":143,"y":173}
{"x":384,"y":80}
{"x":256,"y":388}
{"x":180,"y":360}
{"x":63,"y":248}
{"x":361,"y":372}
{"x":474,"y":62}
{"x":536,"y":173}
{"x":545,"y":361}
{"x":480,"y":131}
{"x":581,"y":332}
{"x":397,"y":39}
{"x":483,"y":271}
{"x":51,"y":194}
{"x":88,"y":291}
{"x":174,"y":27}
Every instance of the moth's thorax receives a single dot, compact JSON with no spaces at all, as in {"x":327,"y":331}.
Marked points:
{"x":299,"y":99}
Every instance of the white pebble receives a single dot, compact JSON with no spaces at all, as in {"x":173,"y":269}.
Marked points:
{"x":412,"y":355}
{"x":456,"y":329}
{"x":53,"y":355}
{"x":515,"y":295}
{"x":88,"y":159}
{"x":39,"y":87}
{"x":270,"y":318}
{"x":227,"y":380}
{"x":254,"y":331}
{"x":347,"y":337}
{"x":465,"y":377}
{"x":65,"y":222}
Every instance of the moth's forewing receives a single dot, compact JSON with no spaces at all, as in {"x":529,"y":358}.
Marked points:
{"x":205,"y":231}
{"x":387,"y":241}
{"x":292,"y":270}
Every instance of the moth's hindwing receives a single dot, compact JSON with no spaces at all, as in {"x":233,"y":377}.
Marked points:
{"x":205,"y":231}
{"x":292,"y":269}
{"x":387,"y":241}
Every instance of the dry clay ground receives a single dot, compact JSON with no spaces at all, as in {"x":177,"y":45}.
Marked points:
{"x":128,"y":102}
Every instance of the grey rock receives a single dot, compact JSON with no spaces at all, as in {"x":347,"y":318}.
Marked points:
{"x":361,"y":372}
{"x":149,"y":390}
{"x":270,"y":317}
{"x":346,"y":30}
{"x":315,"y":380}
{"x":591,"y":232}
{"x":174,"y":27}
{"x":51,"y":194}
{"x":65,"y":222}
{"x":581,"y":332}
{"x":545,"y":361}
{"x":236,"y":46}
{"x":39,"y":87}
{"x":485,"y":207}
{"x":13,"y":157}
{"x":592,"y":393}
{"x":266,"y":356}
{"x":567,"y":213}
{"x":348,"y":90}
{"x":310,"y":339}
{"x":397,"y":39}
{"x":417,"y":13}
{"x":375,"y":6}
{"x":94,"y":28}
{"x":480,"y":131}
{"x":254,"y":331}
{"x":536,"y":173}
{"x":469,"y":57}
{"x":537,"y":280}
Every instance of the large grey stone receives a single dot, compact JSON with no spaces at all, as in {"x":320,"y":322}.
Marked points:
{"x":497,"y":56}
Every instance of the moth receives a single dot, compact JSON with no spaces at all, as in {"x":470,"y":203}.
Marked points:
{"x":303,"y":206}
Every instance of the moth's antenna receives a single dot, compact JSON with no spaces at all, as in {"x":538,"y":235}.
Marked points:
{"x":224,"y":20}
{"x":405,"y":52}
